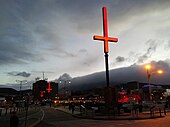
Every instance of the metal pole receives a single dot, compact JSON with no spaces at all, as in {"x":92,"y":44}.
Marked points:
{"x":43,"y":75}
{"x":26,"y":110}
{"x":107,"y":69}
{"x":20,"y":96}
{"x":108,"y":97}
{"x":20,"y":88}
{"x":65,"y":92}
{"x":149,"y":76}
{"x":150,"y":92}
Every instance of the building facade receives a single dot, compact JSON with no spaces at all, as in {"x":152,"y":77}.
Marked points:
{"x":45,"y":90}
{"x":158,"y":91}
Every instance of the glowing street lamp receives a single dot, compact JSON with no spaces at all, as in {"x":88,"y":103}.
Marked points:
{"x":149,"y":74}
{"x":159,"y":71}
{"x":148,"y":67}
{"x":65,"y":81}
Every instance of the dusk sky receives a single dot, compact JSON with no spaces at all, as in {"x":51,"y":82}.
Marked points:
{"x":56,"y":36}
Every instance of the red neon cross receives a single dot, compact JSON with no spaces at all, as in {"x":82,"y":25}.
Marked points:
{"x":49,"y":88}
{"x":105,"y":38}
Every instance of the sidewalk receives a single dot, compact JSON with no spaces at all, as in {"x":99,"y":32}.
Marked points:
{"x":35,"y":115}
{"x":122,"y":116}
{"x":65,"y":109}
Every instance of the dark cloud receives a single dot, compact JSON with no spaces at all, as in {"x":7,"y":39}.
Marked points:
{"x":120,"y":59}
{"x":128,"y":9}
{"x":62,"y":53}
{"x":82,"y":51}
{"x":29,"y":26}
{"x":16,"y":43}
{"x":119,"y":11}
{"x":65,"y":54}
{"x":23,"y":25}
{"x":138,"y":58}
{"x":22,"y":74}
{"x":142,"y":58}
{"x":65,"y":77}
{"x":81,"y":18}
{"x":91,"y":61}
{"x":86,"y":64}
{"x":150,"y":50}
{"x":164,"y":65}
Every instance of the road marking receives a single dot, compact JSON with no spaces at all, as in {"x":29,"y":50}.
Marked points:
{"x":30,"y":115}
{"x":42,"y":115}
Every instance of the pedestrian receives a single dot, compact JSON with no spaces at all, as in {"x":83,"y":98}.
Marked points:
{"x":14,"y":121}
{"x":0,"y":111}
{"x":140,"y":107}
{"x":72,"y":107}
{"x":119,"y":106}
{"x":69,"y":106}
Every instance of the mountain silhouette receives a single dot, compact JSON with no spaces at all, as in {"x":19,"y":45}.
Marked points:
{"x":123,"y":75}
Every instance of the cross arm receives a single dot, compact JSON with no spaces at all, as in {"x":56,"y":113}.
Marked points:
{"x":96,"y":37}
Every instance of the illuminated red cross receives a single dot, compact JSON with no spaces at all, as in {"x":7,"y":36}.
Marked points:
{"x":49,"y":88}
{"x":105,"y":38}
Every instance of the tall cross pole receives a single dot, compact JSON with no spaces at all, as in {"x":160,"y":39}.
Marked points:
{"x":106,"y":39}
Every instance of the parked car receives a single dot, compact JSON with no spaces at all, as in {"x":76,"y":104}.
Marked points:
{"x":127,"y":107}
{"x":147,"y":104}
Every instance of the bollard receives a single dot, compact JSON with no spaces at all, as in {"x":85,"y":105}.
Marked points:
{"x":160,"y":111}
{"x":10,"y":110}
{"x":0,"y":111}
{"x":164,"y":111}
{"x":152,"y":112}
{"x":6,"y":111}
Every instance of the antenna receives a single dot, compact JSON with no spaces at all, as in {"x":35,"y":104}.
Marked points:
{"x":43,"y":74}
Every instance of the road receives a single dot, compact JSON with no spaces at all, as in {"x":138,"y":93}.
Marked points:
{"x":55,"y":118}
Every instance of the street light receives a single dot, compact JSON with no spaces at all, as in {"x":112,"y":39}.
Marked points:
{"x":159,"y":71}
{"x":149,"y":74}
{"x":65,"y":81}
{"x":20,"y":88}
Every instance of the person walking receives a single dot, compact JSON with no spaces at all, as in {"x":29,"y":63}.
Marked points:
{"x":73,"y":108}
{"x":14,"y":121}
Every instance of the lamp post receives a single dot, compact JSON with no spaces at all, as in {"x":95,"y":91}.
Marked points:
{"x":20,"y":88}
{"x":149,"y":74}
{"x":26,"y":113}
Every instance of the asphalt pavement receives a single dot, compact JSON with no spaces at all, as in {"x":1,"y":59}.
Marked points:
{"x":37,"y":115}
{"x":90,"y":114}
{"x":62,"y":117}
